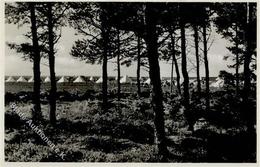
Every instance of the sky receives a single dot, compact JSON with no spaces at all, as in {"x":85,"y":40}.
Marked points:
{"x":69,"y":66}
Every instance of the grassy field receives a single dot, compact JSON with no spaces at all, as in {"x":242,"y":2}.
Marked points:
{"x":126,"y":132}
{"x":70,"y":87}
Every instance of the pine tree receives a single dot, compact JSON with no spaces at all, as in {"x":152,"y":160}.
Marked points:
{"x":25,"y":13}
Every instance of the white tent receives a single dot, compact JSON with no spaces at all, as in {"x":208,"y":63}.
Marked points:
{"x":125,"y":79}
{"x":79,"y":79}
{"x":218,"y":83}
{"x":100,"y":80}
{"x":31,"y":79}
{"x":91,"y":78}
{"x":21,"y":79}
{"x":10,"y":79}
{"x":116,"y":78}
{"x":62,"y":80}
{"x":148,"y":81}
{"x":47,"y":79}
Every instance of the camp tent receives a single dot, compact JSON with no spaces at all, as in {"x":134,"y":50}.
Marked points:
{"x":168,"y":80}
{"x":21,"y":79}
{"x":91,"y":78}
{"x":10,"y":79}
{"x":31,"y":79}
{"x":100,"y":80}
{"x":47,"y":79}
{"x":218,"y":83}
{"x":63,"y":80}
{"x":125,"y":79}
{"x":148,"y":81}
{"x":79,"y":79}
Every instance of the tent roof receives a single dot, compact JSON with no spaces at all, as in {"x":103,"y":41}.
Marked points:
{"x":125,"y":79}
{"x":78,"y":79}
{"x":217,"y":84}
{"x":62,"y":80}
{"x":116,"y":78}
{"x":100,"y":80}
{"x":10,"y":79}
{"x":31,"y":79}
{"x":21,"y":79}
{"x":47,"y":79}
{"x":148,"y":81}
{"x":91,"y":78}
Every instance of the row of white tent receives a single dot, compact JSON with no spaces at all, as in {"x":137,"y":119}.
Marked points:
{"x":219,"y":82}
{"x":124,"y":79}
{"x":46,"y":80}
{"x":63,"y":79}
{"x":22,"y":79}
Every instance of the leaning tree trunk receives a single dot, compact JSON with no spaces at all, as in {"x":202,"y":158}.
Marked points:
{"x":52,"y":99}
{"x":154,"y":73}
{"x":196,"y":41}
{"x":138,"y":65}
{"x":185,"y":76}
{"x":206,"y":64}
{"x":36,"y":114}
{"x":118,"y":66}
{"x":174,"y":60}
{"x":178,"y":78}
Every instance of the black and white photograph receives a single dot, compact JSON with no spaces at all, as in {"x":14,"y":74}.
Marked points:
{"x":130,"y":82}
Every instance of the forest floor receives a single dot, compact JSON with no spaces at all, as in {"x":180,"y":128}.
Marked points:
{"x":125,"y":133}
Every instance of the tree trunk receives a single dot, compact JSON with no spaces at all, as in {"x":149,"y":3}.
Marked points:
{"x":185,"y":76}
{"x":249,"y":117}
{"x":154,"y":73}
{"x":206,"y":64}
{"x":237,"y":62}
{"x":173,"y":57}
{"x":175,"y":64}
{"x":36,"y":114}
{"x":105,"y":37}
{"x":138,"y":65}
{"x":172,"y":71}
{"x":118,"y":67}
{"x":196,"y":41}
{"x":247,"y":58}
{"x":52,"y":66}
{"x":104,"y":83}
{"x":177,"y":75}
